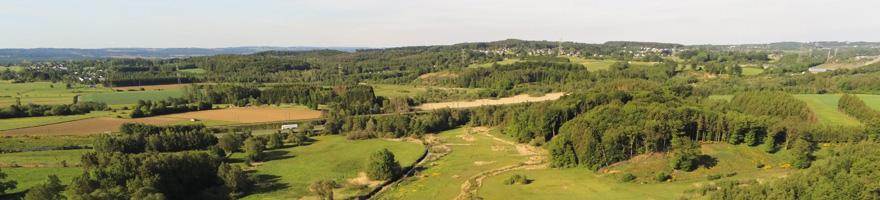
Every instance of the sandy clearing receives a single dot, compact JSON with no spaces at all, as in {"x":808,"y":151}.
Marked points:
{"x":523,"y":98}
{"x":86,"y":126}
{"x":250,"y":114}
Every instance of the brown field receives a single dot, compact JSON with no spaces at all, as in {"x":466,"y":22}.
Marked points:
{"x":523,"y":98}
{"x":152,"y":87}
{"x":250,"y":114}
{"x":86,"y":126}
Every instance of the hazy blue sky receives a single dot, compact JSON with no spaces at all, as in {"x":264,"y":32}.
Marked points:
{"x":386,"y":23}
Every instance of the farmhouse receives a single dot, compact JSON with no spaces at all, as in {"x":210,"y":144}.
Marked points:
{"x":289,"y":126}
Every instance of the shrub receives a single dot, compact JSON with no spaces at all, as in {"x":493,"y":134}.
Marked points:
{"x":517,"y":179}
{"x":662,"y":176}
{"x":626,"y":177}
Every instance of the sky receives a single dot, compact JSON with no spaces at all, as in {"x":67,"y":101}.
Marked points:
{"x":392,"y":23}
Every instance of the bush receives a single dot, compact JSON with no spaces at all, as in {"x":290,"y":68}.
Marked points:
{"x":626,"y":177}
{"x":662,"y":176}
{"x":517,"y":179}
{"x":713,"y":177}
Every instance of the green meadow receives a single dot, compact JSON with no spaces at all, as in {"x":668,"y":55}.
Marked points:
{"x":131,"y":97}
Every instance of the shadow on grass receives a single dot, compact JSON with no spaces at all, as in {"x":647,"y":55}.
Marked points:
{"x":268,"y":183}
{"x":707,"y":161}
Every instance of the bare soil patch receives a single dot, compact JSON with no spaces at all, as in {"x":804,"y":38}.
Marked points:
{"x":86,"y":126}
{"x":523,"y":98}
{"x":250,"y":114}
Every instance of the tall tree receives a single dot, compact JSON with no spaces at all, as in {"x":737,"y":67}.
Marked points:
{"x":382,"y":165}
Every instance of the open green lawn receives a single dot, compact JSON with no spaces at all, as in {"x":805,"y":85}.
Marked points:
{"x":749,"y":71}
{"x":131,"y":97}
{"x":42,"y":92}
{"x":592,"y":64}
{"x":391,"y":90}
{"x":24,"y":122}
{"x":470,"y":154}
{"x":825,"y":107}
{"x":13,"y":68}
{"x":330,"y":157}
{"x":506,"y":61}
{"x":40,"y":142}
{"x":29,"y":177}
{"x":871,"y":100}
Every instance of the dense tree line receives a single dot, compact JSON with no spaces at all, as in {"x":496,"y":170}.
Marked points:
{"x":167,"y":106}
{"x":37,"y":110}
{"x":777,"y":104}
{"x":852,"y":105}
{"x":139,"y":138}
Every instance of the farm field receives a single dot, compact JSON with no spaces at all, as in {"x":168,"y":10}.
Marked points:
{"x":85,"y":126}
{"x":43,"y":142}
{"x":332,"y":157}
{"x":523,"y":98}
{"x":471,"y":152}
{"x":24,"y":122}
{"x":871,"y":100}
{"x":42,"y":92}
{"x":131,"y":97}
{"x":40,"y":159}
{"x":250,"y":114}
{"x":153,"y":87}
{"x":825,"y":107}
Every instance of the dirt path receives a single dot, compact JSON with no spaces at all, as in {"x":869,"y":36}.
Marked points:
{"x":537,"y":160}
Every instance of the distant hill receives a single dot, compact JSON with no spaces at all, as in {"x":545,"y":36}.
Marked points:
{"x":52,"y":54}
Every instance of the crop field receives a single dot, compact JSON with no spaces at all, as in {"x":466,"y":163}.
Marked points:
{"x":42,"y":92}
{"x":153,"y":87}
{"x":470,"y":152}
{"x":131,"y":97}
{"x":85,"y":126}
{"x":523,"y":98}
{"x":825,"y":107}
{"x":250,"y":114}
{"x":42,"y":142}
{"x":329,"y":157}
{"x":38,"y":159}
{"x":15,"y":123}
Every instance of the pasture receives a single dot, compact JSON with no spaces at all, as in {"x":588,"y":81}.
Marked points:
{"x":391,"y":90}
{"x":131,"y":97}
{"x":329,"y":157}
{"x":12,"y":143}
{"x":825,"y":107}
{"x":751,"y":71}
{"x":40,"y":159}
{"x":153,"y":87}
{"x":29,"y":177}
{"x":42,"y":92}
{"x":871,"y":100}
{"x":25,"y":122}
{"x":523,"y":98}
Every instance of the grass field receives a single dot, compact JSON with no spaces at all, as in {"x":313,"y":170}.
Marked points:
{"x":42,"y":92}
{"x":391,"y":90}
{"x":580,"y":183}
{"x":872,"y":101}
{"x":131,"y":97}
{"x":14,"y":123}
{"x":506,"y":61}
{"x":29,"y":177}
{"x":750,"y":71}
{"x":330,"y":157}
{"x":194,"y":71}
{"x":13,"y":68}
{"x":825,"y":107}
{"x":470,"y":155}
